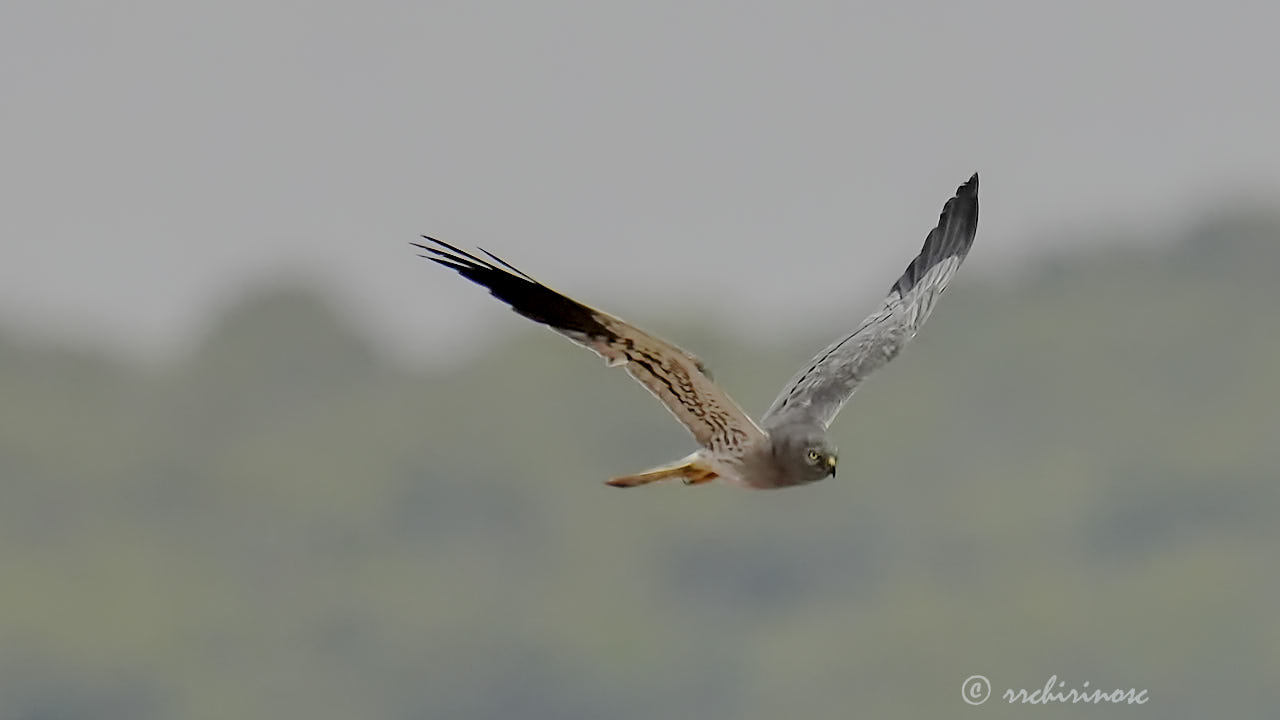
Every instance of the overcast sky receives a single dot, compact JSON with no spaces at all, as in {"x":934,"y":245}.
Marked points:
{"x":761,"y":160}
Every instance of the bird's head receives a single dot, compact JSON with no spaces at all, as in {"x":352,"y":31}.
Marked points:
{"x":804,"y":454}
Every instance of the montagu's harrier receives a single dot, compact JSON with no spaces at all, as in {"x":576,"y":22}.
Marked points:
{"x":790,"y":445}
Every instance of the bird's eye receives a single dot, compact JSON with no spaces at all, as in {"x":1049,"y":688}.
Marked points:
{"x":814,"y":456}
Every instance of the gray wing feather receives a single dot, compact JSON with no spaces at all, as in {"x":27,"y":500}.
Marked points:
{"x":677,"y":378}
{"x":821,"y":388}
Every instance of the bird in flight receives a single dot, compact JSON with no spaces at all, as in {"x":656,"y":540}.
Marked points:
{"x":789,"y":446}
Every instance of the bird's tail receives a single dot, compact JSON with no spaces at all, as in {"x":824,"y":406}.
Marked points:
{"x":693,"y":470}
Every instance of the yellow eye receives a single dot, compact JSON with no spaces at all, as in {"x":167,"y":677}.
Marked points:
{"x":814,"y":456}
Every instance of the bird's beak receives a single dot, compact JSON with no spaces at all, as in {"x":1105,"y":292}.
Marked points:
{"x":831,"y":465}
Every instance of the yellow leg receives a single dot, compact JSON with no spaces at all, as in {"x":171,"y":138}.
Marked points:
{"x":700,"y":478}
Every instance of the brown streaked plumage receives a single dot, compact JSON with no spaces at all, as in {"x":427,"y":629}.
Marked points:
{"x":792,"y":448}
{"x":679,"y":379}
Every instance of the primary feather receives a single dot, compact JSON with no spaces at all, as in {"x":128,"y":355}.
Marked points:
{"x":816,"y":393}
{"x":677,"y":378}
{"x":792,"y":449}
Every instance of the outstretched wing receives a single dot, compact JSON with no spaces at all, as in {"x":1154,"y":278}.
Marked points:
{"x":676,"y":377}
{"x":818,"y":391}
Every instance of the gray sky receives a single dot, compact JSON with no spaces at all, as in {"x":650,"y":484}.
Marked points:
{"x":158,"y":158}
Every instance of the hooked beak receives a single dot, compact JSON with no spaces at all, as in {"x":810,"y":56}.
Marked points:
{"x":831,"y":465}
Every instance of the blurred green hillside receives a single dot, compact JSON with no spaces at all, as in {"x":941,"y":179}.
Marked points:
{"x":1075,"y":473}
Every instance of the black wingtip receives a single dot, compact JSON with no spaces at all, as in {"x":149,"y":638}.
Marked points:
{"x":447,"y":263}
{"x":525,"y":295}
{"x":953,"y":235}
{"x":459,"y":253}
{"x":508,"y":265}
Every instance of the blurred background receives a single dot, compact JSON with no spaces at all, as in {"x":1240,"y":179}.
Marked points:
{"x":257,"y":460}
